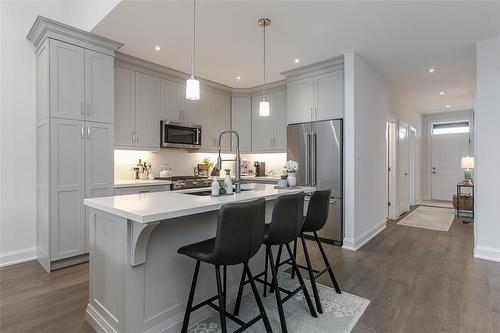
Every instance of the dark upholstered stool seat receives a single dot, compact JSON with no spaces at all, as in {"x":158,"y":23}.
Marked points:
{"x":240,"y":232}
{"x":202,"y":251}
{"x":285,"y":227}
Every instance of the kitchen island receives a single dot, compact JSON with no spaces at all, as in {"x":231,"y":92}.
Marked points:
{"x":138,"y":282}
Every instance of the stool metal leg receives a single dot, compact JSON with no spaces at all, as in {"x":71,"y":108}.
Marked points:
{"x":222,"y":302}
{"x":295,"y":256}
{"x":325,"y":259}
{"x":187,"y":314}
{"x":302,"y":284}
{"x":311,"y":276}
{"x":265,"y":274}
{"x":277,"y":293}
{"x":257,"y":298}
{"x":278,"y":258}
{"x":237,"y":305}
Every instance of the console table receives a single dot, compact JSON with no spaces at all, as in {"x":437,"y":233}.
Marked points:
{"x":460,"y":186}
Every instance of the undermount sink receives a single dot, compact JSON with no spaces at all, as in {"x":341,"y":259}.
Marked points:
{"x":207,"y":193}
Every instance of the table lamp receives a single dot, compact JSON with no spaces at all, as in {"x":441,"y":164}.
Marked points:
{"x":467,"y":163}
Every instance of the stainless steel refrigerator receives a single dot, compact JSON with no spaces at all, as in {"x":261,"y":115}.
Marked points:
{"x":317,"y":147}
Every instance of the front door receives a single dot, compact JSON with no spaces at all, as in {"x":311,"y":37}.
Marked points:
{"x":447,"y":150}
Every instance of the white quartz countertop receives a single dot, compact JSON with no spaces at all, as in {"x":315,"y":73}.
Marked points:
{"x":140,"y":182}
{"x":157,"y":206}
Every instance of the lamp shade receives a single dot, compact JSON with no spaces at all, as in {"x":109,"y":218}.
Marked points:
{"x":192,"y":89}
{"x":264,"y":108}
{"x":467,"y":162}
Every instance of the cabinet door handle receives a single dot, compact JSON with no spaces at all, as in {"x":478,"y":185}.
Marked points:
{"x":133,"y":136}
{"x":88,"y":133}
{"x":82,"y":132}
{"x":137,"y":136}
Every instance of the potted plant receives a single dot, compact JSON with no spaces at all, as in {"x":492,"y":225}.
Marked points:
{"x":291,"y":168}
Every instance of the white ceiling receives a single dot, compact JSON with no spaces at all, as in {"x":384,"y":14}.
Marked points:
{"x":400,"y":39}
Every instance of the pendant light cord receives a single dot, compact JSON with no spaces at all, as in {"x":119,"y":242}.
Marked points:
{"x":194,"y":38}
{"x":264,"y":86}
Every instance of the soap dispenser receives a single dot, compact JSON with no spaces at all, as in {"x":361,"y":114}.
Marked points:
{"x":228,"y":183}
{"x":215,"y":186}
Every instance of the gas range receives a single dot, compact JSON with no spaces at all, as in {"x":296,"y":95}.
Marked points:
{"x":185,"y":182}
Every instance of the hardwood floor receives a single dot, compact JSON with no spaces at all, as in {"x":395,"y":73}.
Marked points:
{"x":418,"y":280}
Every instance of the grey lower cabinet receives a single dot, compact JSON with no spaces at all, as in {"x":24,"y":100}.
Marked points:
{"x":75,"y":136}
{"x":141,"y":189}
{"x":81,"y":166}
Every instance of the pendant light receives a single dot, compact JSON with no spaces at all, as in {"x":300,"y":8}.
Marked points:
{"x":192,"y":84}
{"x":264,"y":104}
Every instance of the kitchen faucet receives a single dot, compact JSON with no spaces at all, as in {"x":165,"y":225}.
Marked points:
{"x":237,"y":159}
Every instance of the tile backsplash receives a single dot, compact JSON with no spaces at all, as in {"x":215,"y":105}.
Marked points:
{"x":183,"y":162}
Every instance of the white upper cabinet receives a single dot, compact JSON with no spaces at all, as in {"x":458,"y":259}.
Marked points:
{"x":147,"y":110}
{"x":269,"y":133}
{"x":189,"y":110}
{"x":67,"y":72}
{"x":207,"y":112}
{"x":241,"y":122}
{"x":222,"y":120}
{"x":329,"y":94}
{"x":99,"y":87}
{"x":317,"y":97}
{"x":124,"y":107}
{"x":170,"y":109}
{"x":300,"y":100}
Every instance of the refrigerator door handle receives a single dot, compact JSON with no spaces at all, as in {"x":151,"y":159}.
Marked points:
{"x":308,"y":158}
{"x":313,"y":167}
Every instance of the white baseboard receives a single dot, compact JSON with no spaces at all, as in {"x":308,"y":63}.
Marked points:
{"x":17,"y":256}
{"x":356,"y":244}
{"x":487,"y":253}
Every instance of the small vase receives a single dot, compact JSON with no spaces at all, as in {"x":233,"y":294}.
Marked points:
{"x":292,"y":179}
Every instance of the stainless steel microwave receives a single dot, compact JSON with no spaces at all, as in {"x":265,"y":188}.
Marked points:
{"x":180,"y":135}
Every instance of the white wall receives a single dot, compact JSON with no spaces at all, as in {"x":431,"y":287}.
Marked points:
{"x":367,"y":103}
{"x":487,"y":150}
{"x":18,"y":129}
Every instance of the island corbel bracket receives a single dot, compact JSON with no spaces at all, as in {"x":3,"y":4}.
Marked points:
{"x":138,"y":240}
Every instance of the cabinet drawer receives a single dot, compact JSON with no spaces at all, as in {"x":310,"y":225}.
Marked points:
{"x":141,"y":189}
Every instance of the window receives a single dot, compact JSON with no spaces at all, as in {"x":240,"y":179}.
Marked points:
{"x":450,"y":128}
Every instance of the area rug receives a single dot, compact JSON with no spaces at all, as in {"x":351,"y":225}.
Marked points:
{"x":340,"y":312}
{"x":429,"y":218}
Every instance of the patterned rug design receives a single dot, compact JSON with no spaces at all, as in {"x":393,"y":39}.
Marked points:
{"x":429,"y":218}
{"x":340,"y":312}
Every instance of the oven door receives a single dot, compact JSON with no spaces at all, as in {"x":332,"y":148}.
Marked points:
{"x":177,"y":135}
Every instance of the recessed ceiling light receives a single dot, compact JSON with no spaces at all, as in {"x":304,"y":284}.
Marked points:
{"x":297,"y":60}
{"x":157,"y":48}
{"x":448,"y":106}
{"x":431,"y":70}
{"x":441,"y":93}
{"x":238,"y":77}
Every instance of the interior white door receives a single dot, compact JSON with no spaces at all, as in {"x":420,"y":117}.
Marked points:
{"x":447,"y":150}
{"x":404,"y":183}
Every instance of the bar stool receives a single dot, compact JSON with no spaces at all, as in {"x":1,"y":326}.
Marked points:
{"x":317,"y":215}
{"x":285,"y":227}
{"x":239,"y":236}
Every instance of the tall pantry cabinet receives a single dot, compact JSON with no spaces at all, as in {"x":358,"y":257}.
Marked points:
{"x":75,"y":139}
